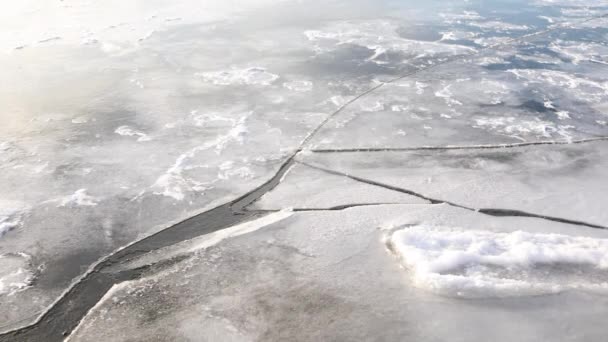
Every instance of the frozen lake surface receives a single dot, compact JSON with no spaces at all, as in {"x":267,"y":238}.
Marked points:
{"x":353,"y":170}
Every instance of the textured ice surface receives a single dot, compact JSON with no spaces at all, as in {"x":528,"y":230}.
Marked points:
{"x":489,"y":98}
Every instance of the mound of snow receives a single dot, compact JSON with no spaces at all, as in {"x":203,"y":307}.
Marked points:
{"x":468,"y":263}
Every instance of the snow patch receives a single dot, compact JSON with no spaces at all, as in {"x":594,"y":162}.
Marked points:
{"x":130,"y":132}
{"x":519,"y":129}
{"x":228,"y":171}
{"x":11,"y":216}
{"x":80,"y":120}
{"x":459,"y":18}
{"x":446,"y":95}
{"x":371,"y":106}
{"x":173,"y":184}
{"x":499,"y":26}
{"x":77,"y":199}
{"x":247,"y":76}
{"x":579,"y":52}
{"x":299,"y":86}
{"x":15,"y":273}
{"x":339,"y":100}
{"x":457,"y":35}
{"x":379,"y":36}
{"x":469,"y":263}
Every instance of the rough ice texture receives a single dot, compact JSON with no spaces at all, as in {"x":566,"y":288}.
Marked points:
{"x":482,"y":100}
{"x":469,"y":263}
{"x":133,"y":140}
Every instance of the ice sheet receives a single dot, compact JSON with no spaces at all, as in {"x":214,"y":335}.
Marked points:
{"x":138,"y":116}
{"x":324,"y":275}
{"x":122,"y":119}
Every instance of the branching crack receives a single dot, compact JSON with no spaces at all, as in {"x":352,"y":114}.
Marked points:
{"x":486,"y":211}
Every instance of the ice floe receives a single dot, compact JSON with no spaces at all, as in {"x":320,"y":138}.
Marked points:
{"x":78,"y":198}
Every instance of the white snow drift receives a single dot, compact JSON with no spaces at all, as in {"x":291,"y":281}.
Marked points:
{"x":472,"y":263}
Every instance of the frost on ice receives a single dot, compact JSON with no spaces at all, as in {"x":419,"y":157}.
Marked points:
{"x":78,"y":198}
{"x":15,"y":274}
{"x":473,"y":263}
{"x":248,"y":76}
{"x":130,"y":132}
{"x":11,"y":215}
